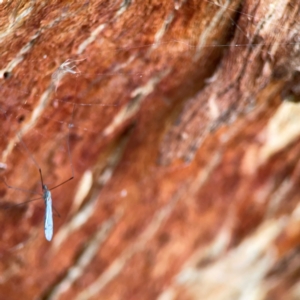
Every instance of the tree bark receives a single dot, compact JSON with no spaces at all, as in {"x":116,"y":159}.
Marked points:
{"x":180,"y":122}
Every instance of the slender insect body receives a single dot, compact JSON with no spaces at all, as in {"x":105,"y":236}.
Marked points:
{"x":46,"y":195}
{"x":48,"y":213}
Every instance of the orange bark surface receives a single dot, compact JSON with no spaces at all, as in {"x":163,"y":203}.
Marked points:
{"x":180,"y":122}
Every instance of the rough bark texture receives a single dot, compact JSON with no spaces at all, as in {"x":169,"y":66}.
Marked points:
{"x":183,"y":123}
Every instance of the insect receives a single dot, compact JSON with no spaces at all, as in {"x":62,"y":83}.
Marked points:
{"x":46,"y":194}
{"x":48,"y":213}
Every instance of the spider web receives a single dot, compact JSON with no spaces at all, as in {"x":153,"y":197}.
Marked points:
{"x":78,"y":80}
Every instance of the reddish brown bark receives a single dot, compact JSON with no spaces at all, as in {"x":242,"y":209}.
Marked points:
{"x":184,"y":143}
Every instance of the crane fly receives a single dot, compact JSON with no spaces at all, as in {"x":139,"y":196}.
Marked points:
{"x":46,"y":194}
{"x":48,"y":213}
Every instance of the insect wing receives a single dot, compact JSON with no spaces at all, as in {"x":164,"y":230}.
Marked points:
{"x":48,"y":217}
